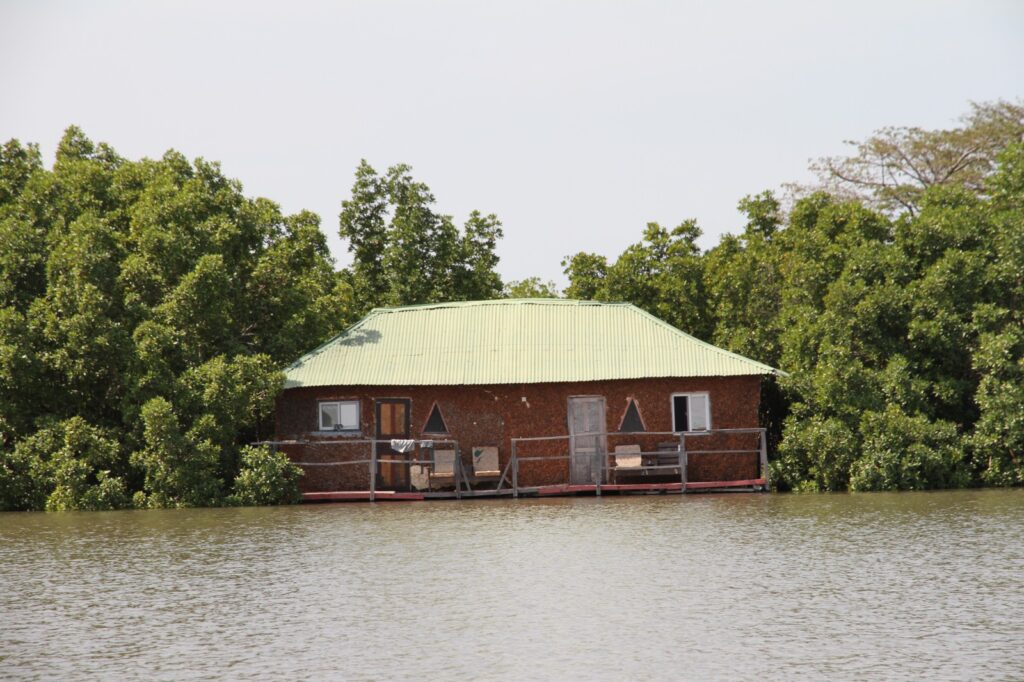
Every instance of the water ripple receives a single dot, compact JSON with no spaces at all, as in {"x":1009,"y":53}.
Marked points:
{"x":882,"y":586}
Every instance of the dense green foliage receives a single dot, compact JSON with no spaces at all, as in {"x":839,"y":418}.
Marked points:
{"x":661,"y":274}
{"x":405,"y":253}
{"x":531,"y":287}
{"x":146,"y":308}
{"x":902,"y":332}
{"x":266,"y":477}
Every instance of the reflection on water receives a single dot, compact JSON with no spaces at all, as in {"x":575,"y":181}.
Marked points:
{"x":923,"y":585}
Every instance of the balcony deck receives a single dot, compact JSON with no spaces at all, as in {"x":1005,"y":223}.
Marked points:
{"x":653,"y":472}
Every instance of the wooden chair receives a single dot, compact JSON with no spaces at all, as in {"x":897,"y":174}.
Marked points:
{"x":628,"y":460}
{"x":485,"y":463}
{"x":668,"y":455}
{"x":444,"y":468}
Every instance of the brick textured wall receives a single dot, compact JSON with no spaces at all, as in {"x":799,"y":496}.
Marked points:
{"x":492,"y":415}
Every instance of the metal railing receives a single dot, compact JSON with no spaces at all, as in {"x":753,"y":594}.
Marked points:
{"x":459,"y":476}
{"x":510,"y":473}
{"x":661,"y":462}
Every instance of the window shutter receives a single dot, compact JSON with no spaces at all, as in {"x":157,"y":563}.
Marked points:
{"x":328,"y":415}
{"x":699,"y":413}
{"x":349,"y":416}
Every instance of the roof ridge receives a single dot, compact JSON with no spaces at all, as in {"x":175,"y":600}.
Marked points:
{"x":495,"y":301}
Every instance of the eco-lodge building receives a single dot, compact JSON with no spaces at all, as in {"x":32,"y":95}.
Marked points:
{"x":510,"y":397}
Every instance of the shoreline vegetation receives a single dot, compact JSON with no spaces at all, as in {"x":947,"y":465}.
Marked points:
{"x":146,"y":308}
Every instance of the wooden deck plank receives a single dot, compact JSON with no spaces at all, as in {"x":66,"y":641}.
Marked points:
{"x":709,"y":484}
{"x":610,"y":487}
{"x":565,"y":489}
{"x":616,"y":487}
{"x":546,"y":490}
{"x":344,"y":495}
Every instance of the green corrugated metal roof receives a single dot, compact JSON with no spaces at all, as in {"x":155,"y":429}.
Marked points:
{"x":511,"y":341}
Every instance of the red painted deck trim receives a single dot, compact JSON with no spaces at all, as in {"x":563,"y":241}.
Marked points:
{"x":705,"y":485}
{"x":611,"y":487}
{"x":620,"y":487}
{"x":386,"y":495}
{"x":563,"y":489}
{"x":341,"y":495}
{"x":642,"y":486}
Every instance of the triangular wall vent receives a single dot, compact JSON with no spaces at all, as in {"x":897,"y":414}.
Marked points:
{"x":631,"y":421}
{"x":435,"y":423}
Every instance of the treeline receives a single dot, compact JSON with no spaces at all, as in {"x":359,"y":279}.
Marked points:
{"x":147,"y":307}
{"x":892,"y":294}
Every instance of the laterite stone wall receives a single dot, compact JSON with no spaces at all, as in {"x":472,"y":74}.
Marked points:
{"x":493,"y":415}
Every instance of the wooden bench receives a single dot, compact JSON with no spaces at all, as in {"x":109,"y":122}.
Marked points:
{"x":631,"y":460}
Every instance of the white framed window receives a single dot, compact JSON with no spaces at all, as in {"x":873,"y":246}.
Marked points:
{"x":339,"y":415}
{"x":691,"y":412}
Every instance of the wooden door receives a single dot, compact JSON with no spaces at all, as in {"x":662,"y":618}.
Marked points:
{"x":586,"y":416}
{"x":393,"y":423}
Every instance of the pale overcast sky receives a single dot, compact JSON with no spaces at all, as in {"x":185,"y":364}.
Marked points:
{"x":575,"y":122}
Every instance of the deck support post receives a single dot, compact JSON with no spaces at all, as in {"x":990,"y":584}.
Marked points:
{"x":515,"y":472}
{"x":373,"y":471}
{"x":764,"y":457}
{"x":683,"y":461}
{"x":504,"y":471}
{"x":459,"y":473}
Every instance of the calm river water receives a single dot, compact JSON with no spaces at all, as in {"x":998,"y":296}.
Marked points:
{"x":907,"y":585}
